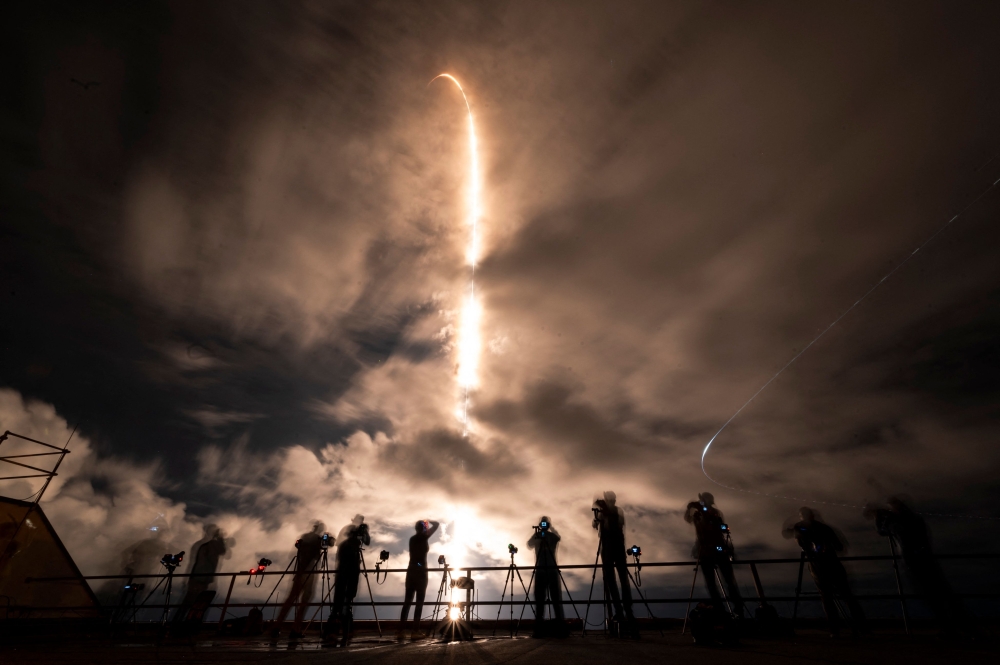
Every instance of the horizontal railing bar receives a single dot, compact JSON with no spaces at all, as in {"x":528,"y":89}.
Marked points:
{"x":583,"y":566}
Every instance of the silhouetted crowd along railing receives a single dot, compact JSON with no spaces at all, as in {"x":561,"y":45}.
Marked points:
{"x":339,"y":584}
{"x":801,"y":595}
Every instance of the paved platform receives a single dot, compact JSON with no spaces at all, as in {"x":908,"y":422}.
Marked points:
{"x":807,"y":647}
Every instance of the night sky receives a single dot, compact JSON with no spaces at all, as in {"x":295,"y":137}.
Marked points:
{"x":232,"y":252}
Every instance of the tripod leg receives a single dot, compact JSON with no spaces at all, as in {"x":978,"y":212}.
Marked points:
{"x":593,"y":579}
{"x":526,"y":597}
{"x":500,"y":608}
{"x":639,"y":591}
{"x":722,"y":588}
{"x":690,"y":596}
{"x":899,"y":585}
{"x":371,"y":597}
{"x":798,"y":589}
{"x":566,"y":587}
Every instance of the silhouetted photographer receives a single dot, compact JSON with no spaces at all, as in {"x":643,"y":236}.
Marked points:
{"x":207,"y":555}
{"x":545,"y":541}
{"x":308,"y":549}
{"x":908,"y":530}
{"x":350,"y":541}
{"x":416,"y":575}
{"x":821,"y":545}
{"x":714,"y":550}
{"x":609,"y":519}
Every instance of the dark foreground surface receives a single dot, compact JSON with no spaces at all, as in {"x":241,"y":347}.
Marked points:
{"x":807,"y":647}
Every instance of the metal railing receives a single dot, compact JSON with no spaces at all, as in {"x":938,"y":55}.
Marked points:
{"x":228,"y":604}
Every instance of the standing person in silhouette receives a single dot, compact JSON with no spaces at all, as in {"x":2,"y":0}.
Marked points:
{"x":350,"y":541}
{"x":713,"y":550}
{"x":544,"y":541}
{"x":610,"y":521}
{"x":309,"y":548}
{"x":207,"y":555}
{"x":900,"y":523}
{"x":416,"y":576}
{"x":821,"y":544}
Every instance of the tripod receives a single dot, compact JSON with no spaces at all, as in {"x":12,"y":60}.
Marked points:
{"x":511,"y":571}
{"x":371,"y":598}
{"x":593,"y":580}
{"x":276,"y":584}
{"x":531,"y":581}
{"x":326,"y":587}
{"x":126,"y":602}
{"x":169,"y":579}
{"x":639,"y":591}
{"x":445,"y":578}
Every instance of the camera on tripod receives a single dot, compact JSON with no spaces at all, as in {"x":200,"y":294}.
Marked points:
{"x":541,"y":526}
{"x":383,"y":556}
{"x":635,"y":551}
{"x":261,"y":566}
{"x":724,"y":527}
{"x":441,"y":561}
{"x":511,"y":549}
{"x":171,"y":561}
{"x":326,"y":541}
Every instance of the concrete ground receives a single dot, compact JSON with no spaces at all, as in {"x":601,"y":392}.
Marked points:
{"x":807,"y":647}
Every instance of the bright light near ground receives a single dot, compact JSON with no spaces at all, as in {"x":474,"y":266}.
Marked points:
{"x":454,"y":613}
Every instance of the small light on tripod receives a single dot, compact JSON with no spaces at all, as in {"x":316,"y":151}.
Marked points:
{"x":454,"y":613}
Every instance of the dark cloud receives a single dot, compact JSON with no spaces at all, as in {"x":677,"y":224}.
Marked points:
{"x":238,"y":260}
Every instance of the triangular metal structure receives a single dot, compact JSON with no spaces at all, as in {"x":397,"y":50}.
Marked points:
{"x":36,"y":551}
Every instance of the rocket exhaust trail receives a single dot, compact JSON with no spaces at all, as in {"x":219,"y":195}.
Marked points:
{"x":469,"y":343}
{"x":704,"y":453}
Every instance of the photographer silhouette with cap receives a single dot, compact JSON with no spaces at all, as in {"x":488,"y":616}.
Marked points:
{"x":309,"y":547}
{"x":544,"y":541}
{"x":609,"y":519}
{"x":416,"y":575}
{"x":713,"y":550}
{"x":904,"y":527}
{"x":821,"y":545}
{"x":351,"y":539}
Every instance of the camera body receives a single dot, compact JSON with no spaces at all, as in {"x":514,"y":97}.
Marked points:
{"x":441,"y":560}
{"x":383,"y":556}
{"x":511,"y":549}
{"x":541,"y":526}
{"x":724,"y":527}
{"x":326,"y":541}
{"x":171,"y":561}
{"x":261,"y":567}
{"x":635,"y":551}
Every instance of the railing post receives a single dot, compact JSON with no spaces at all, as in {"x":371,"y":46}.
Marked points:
{"x":899,"y":584}
{"x":798,"y":589}
{"x":225,"y":605}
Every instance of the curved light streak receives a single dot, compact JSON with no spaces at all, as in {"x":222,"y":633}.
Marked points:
{"x":469,"y":339}
{"x":704,"y":453}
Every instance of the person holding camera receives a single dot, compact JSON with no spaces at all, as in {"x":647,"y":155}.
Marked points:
{"x":821,"y":544}
{"x":416,"y":575}
{"x":609,"y":520}
{"x":714,"y":550}
{"x":308,"y":550}
{"x":544,"y":541}
{"x":350,"y":542}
